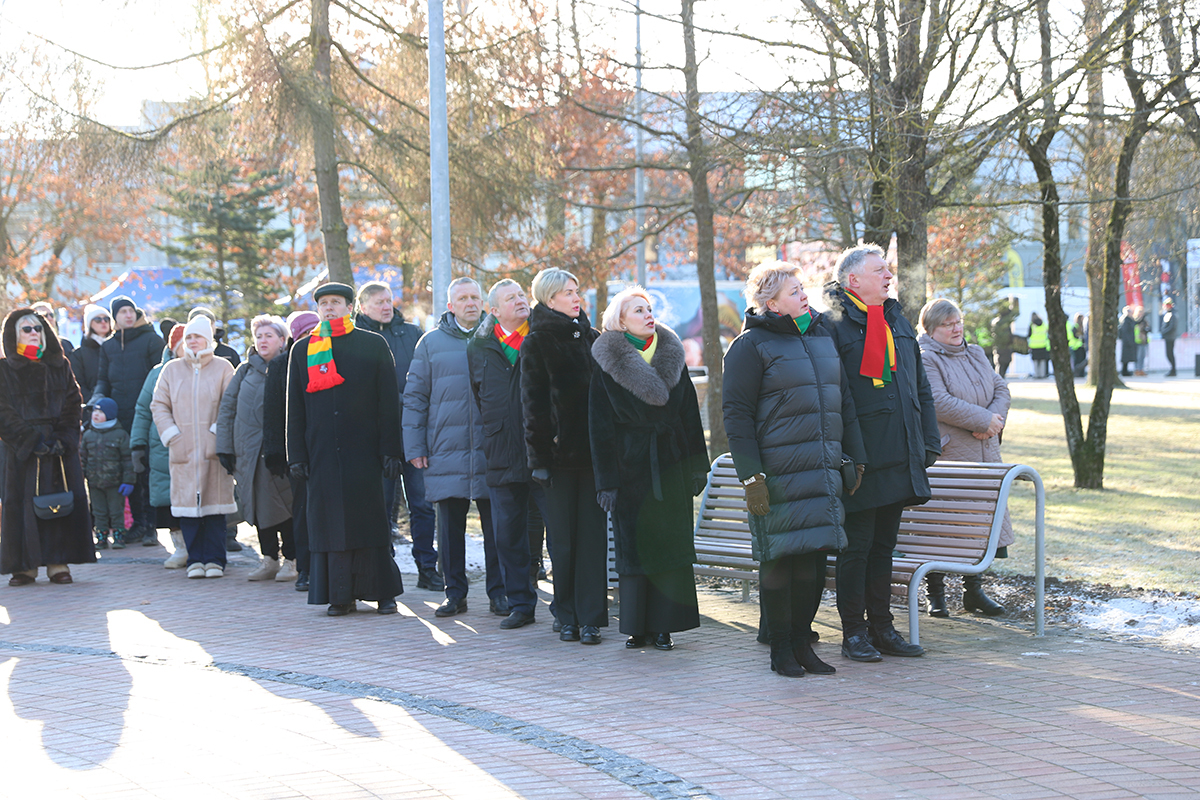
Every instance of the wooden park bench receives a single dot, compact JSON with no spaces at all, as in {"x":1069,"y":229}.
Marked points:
{"x":955,"y":532}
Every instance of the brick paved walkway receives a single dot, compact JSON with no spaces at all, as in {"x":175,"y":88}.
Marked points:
{"x":135,"y":682}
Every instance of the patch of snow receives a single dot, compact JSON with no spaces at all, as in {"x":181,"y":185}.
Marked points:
{"x":1175,"y":622}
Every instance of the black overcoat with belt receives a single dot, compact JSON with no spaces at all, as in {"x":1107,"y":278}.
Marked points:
{"x":648,"y":444}
{"x":40,"y":399}
{"x":898,"y":420}
{"x":343,"y":434}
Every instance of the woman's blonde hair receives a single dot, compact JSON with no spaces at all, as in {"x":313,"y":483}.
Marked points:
{"x":936,"y":312}
{"x":766,"y":280}
{"x":611,"y":320}
{"x":271,"y":320}
{"x":550,"y":282}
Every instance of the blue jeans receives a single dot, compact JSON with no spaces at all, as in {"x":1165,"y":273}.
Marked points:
{"x":420,"y":513}
{"x":205,"y":539}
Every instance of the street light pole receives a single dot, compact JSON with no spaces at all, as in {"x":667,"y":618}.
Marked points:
{"x":439,"y":155}
{"x":639,"y":175}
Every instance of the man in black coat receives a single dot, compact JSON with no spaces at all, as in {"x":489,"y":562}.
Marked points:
{"x":377,"y":314}
{"x":1126,"y":332}
{"x":126,"y":358}
{"x":343,"y":436}
{"x":894,"y":404}
{"x":494,"y":360}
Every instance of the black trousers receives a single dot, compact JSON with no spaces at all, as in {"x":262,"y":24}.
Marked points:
{"x":452,"y":547}
{"x":1003,"y":359}
{"x":864,"y":569}
{"x":789,"y":593}
{"x":1170,"y":345}
{"x":300,"y":524}
{"x":512,"y":504}
{"x":268,"y":540}
{"x":577,"y":528}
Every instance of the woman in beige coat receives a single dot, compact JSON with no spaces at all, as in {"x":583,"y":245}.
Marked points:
{"x":185,"y":406}
{"x":972,"y":405}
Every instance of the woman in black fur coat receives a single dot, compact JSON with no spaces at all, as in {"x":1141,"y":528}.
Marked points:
{"x":650,"y":460}
{"x":556,"y":371}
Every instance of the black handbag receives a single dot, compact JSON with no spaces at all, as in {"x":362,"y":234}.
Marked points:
{"x":57,"y":504}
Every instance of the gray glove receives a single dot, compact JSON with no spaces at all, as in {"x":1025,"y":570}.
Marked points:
{"x":138,"y":455}
{"x":542,"y":476}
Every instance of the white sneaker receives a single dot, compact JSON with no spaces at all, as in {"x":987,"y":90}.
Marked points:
{"x":195,"y":570}
{"x":178,"y":559}
{"x":213,"y":570}
{"x":287,"y":571}
{"x":267,"y":570}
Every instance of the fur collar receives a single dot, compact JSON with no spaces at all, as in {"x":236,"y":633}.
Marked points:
{"x":651,"y":383}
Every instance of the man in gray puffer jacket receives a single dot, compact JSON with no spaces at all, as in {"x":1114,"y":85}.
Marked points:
{"x":443,"y":435}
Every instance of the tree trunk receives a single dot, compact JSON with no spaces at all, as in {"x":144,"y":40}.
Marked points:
{"x":703,"y":209}
{"x":333,"y":225}
{"x":597,"y":259}
{"x":222,"y":281}
{"x":1097,"y":168}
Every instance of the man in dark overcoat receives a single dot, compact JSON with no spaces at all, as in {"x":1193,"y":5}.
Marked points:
{"x":894,"y":404}
{"x":343,"y":436}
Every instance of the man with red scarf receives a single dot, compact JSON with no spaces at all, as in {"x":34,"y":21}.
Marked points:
{"x":343,"y":436}
{"x":894,"y":403}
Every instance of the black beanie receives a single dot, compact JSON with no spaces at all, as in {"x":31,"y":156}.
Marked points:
{"x":119,"y":302}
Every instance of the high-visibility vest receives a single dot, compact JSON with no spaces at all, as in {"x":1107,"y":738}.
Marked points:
{"x":1139,"y":333}
{"x":1074,"y":341}
{"x":1039,"y":337}
{"x":983,"y":336}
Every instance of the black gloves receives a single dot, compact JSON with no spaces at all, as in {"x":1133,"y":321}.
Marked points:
{"x":228,"y":461}
{"x":931,"y":458}
{"x":698,"y":484}
{"x":542,"y":476}
{"x":299,"y":471}
{"x":391,"y":467}
{"x":607,"y":500}
{"x":758,"y":497}
{"x":138,"y":455}
{"x":276,"y":465}
{"x":49,"y":446}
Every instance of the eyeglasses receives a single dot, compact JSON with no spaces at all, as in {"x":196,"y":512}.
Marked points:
{"x":31,"y":328}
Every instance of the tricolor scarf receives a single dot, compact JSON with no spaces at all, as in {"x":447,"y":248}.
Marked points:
{"x":322,"y":372}
{"x":879,"y":349}
{"x":802,"y":323}
{"x":645,"y":347}
{"x":31,"y":352}
{"x":511,"y":343}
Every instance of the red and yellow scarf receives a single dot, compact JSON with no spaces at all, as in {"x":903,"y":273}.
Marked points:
{"x":31,"y":352}
{"x":511,"y":344}
{"x":879,"y":350}
{"x":322,"y":372}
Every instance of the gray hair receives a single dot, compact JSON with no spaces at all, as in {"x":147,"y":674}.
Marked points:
{"x":370,"y":289}
{"x":611,"y":321}
{"x":272,"y":321}
{"x":463,"y":281}
{"x":852,"y":258}
{"x":766,"y":281}
{"x":936,"y":312}
{"x":494,"y":292}
{"x":550,"y":282}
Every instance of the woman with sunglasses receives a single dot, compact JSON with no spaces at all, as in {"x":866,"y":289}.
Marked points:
{"x":85,"y":359}
{"x":39,"y":424}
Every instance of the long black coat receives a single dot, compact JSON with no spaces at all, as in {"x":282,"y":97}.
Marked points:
{"x":789,"y":415}
{"x":39,"y":399}
{"x":274,"y":442}
{"x":343,"y":434}
{"x":401,"y":338}
{"x":556,"y":373}
{"x":85,"y":363}
{"x":126,"y":358}
{"x":647,"y":443}
{"x":496,"y":386}
{"x":898,"y":420}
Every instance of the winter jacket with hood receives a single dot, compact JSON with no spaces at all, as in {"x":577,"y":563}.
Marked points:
{"x":789,"y":415}
{"x":39,"y":400}
{"x":898,"y":420}
{"x":145,"y":436}
{"x":496,"y":389}
{"x":185,"y":405}
{"x":647,"y":442}
{"x":441,"y":421}
{"x":966,"y":393}
{"x":401,"y":338}
{"x":104,"y":456}
{"x":126,"y":358}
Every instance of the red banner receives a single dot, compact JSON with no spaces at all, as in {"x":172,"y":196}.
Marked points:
{"x":1130,"y":274}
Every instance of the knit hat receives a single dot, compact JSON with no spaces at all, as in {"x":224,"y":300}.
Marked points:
{"x":90,"y":312}
{"x":334,"y":288}
{"x":108,"y":406}
{"x":199,"y":324}
{"x":119,"y":302}
{"x":301,"y":322}
{"x":166,"y":325}
{"x":175,"y":337}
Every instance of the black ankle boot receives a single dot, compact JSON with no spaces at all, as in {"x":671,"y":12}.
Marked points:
{"x":974,"y":598}
{"x":806,"y":658}
{"x":935,"y":589}
{"x":783,"y":661}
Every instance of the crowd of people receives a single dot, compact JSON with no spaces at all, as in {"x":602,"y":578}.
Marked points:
{"x":522,"y":409}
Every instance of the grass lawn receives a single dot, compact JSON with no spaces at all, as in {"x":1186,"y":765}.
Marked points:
{"x":1143,"y":528}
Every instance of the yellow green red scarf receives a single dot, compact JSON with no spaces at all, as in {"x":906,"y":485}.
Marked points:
{"x":322,"y":372}
{"x":511,"y":343}
{"x":645,"y":347}
{"x":31,"y":352}
{"x":879,"y":349}
{"x":803,"y":322}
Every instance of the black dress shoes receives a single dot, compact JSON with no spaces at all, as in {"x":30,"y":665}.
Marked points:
{"x":556,"y":627}
{"x":937,"y":605}
{"x":302,"y":582}
{"x":499,"y":607}
{"x":891,"y":643}
{"x":857,"y":648}
{"x":568,"y":633}
{"x":589,"y":634}
{"x":341,"y":609}
{"x":662,"y":641}
{"x":635,"y":642}
{"x":387,"y":607}
{"x":451,"y":606}
{"x":516,"y":619}
{"x":431,"y":580}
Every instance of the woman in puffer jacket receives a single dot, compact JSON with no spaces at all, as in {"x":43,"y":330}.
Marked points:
{"x":972,"y":406}
{"x":185,"y":406}
{"x":790,"y":420}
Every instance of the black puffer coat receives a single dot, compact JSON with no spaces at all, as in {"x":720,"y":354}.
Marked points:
{"x":648,"y":444}
{"x":402,"y":338}
{"x":898,"y":420}
{"x":556,"y":371}
{"x":274,"y":441}
{"x":496,"y":385}
{"x":85,"y":363}
{"x":126,"y":358}
{"x":789,"y":415}
{"x":40,"y":399}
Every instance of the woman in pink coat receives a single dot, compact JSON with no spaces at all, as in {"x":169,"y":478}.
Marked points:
{"x":972,"y":405}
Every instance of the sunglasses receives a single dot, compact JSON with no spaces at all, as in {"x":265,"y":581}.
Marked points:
{"x":31,"y":328}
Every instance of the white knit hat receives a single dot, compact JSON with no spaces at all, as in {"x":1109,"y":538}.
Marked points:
{"x":199,"y":324}
{"x":90,"y":312}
